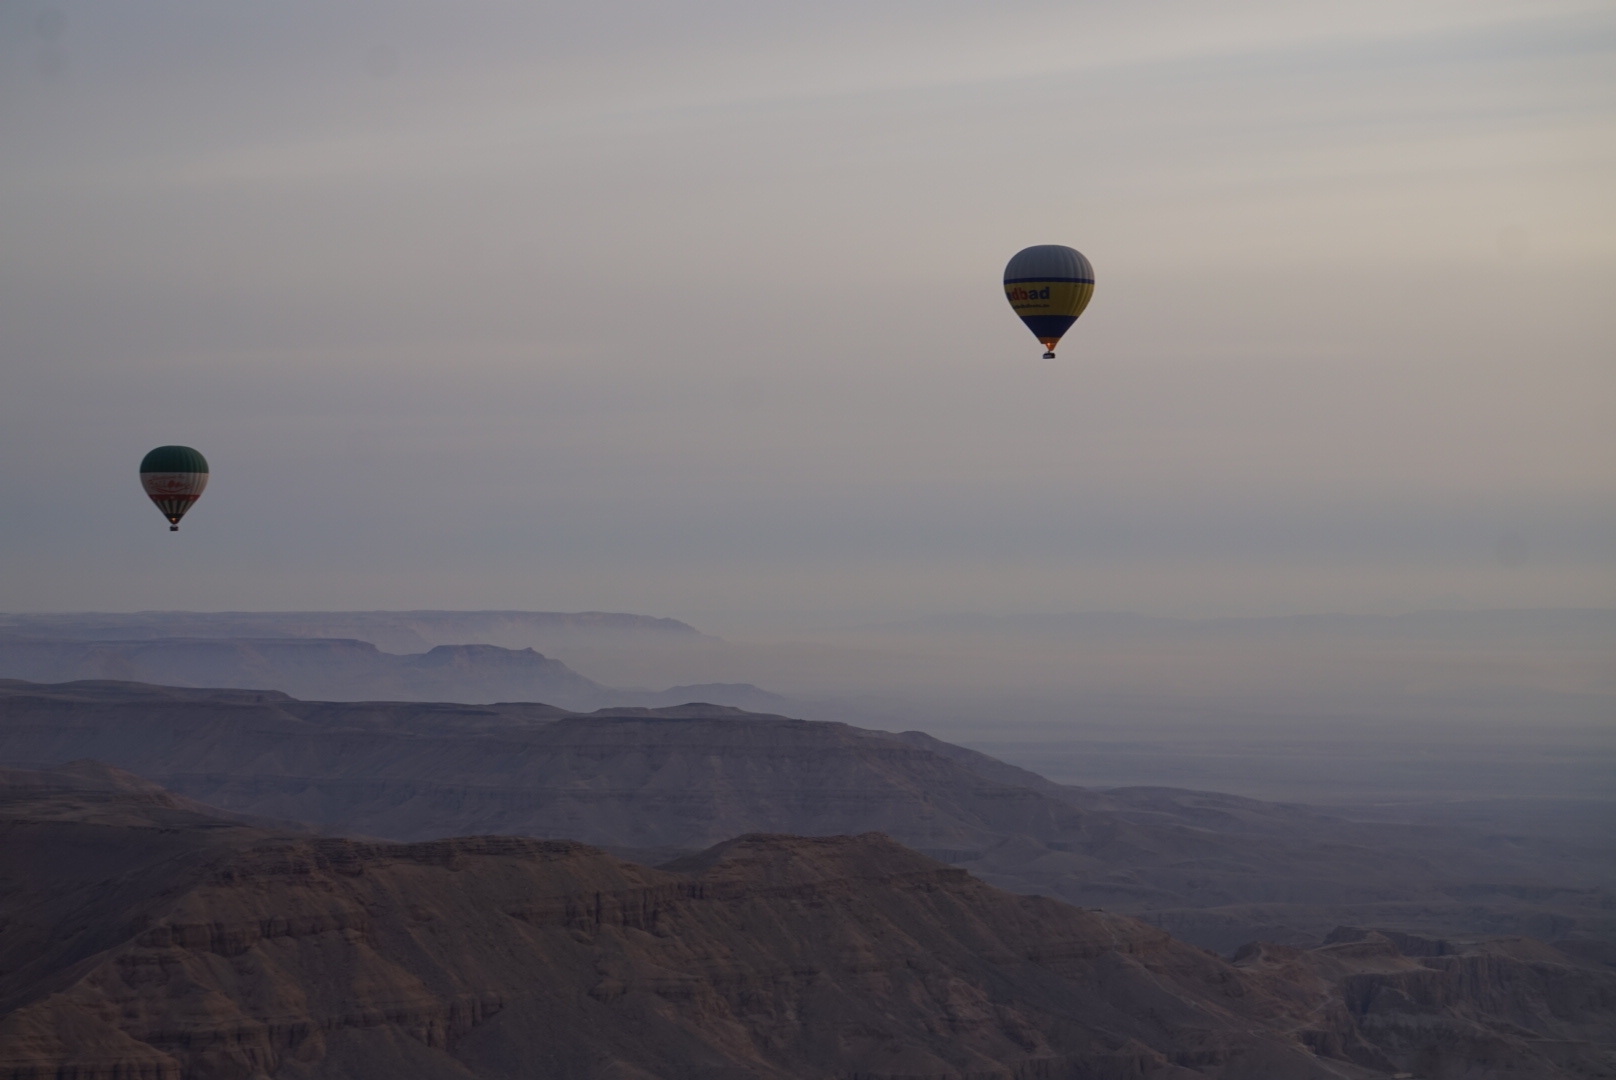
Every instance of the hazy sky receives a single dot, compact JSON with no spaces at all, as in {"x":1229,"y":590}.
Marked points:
{"x":694,"y":309}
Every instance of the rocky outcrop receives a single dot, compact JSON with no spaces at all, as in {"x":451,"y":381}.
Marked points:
{"x":656,"y":783}
{"x":1511,"y":1009}
{"x":142,"y":936}
{"x":768,"y":956}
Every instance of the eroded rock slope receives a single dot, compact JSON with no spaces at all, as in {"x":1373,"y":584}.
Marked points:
{"x":653,"y":784}
{"x":146,"y":938}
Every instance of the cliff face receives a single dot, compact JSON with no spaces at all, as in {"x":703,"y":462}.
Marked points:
{"x":144,"y":938}
{"x":493,"y":957}
{"x":1501,"y":1008}
{"x":1216,"y":870}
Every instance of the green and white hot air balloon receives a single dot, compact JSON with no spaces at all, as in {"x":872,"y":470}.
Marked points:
{"x":174,"y":478}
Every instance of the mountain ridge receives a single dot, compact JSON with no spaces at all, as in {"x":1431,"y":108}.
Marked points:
{"x":654,"y":784}
{"x":344,"y":669}
{"x":393,"y":631}
{"x":157,"y":950}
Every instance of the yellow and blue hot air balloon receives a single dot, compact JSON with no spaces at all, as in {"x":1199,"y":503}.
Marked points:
{"x":1048,"y":286}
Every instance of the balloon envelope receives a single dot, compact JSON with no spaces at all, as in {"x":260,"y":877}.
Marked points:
{"x":174,"y":478}
{"x":1048,"y":285}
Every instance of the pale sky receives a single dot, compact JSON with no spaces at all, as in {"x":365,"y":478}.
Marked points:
{"x":694,"y":309}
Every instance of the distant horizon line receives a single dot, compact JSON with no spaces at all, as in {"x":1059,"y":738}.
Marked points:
{"x":894,"y":619}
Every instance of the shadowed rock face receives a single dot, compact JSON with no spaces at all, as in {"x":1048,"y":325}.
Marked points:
{"x":492,"y":957}
{"x":90,"y":792}
{"x":145,"y":938}
{"x":1216,"y":870}
{"x":1511,"y":1007}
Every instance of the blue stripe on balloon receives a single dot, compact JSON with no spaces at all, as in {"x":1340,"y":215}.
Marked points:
{"x":1043,"y":326}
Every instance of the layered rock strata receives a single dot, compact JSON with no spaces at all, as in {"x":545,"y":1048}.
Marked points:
{"x":653,"y":784}
{"x":144,"y":936}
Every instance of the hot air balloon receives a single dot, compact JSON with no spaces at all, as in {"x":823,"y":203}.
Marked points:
{"x":174,"y":477}
{"x":1048,"y":286}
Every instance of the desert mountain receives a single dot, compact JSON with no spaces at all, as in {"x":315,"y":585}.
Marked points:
{"x":93,"y":793}
{"x":336,"y":669}
{"x":341,"y":670}
{"x":144,"y":944}
{"x":621,"y":650}
{"x":393,"y":631}
{"x":654,"y":784}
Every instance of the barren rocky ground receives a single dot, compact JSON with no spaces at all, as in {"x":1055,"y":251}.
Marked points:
{"x":147,"y":936}
{"x":1217,"y":870}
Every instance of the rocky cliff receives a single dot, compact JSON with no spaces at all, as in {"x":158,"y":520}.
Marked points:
{"x":160,"y":950}
{"x":653,"y":784}
{"x":1512,"y":1007}
{"x":145,"y":938}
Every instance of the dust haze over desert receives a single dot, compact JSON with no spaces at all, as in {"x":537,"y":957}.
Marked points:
{"x":618,"y":437}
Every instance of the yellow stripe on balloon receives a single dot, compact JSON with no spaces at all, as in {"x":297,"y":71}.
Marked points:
{"x":1049,"y":297}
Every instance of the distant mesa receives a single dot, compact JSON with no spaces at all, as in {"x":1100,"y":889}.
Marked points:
{"x":332,"y":668}
{"x":390,"y":631}
{"x":347,"y":669}
{"x":1119,"y":625}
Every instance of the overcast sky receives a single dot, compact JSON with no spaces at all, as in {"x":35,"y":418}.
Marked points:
{"x":694,"y":309}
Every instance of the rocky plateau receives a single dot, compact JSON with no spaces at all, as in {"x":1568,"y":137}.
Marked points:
{"x":143,"y":935}
{"x":653,"y":785}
